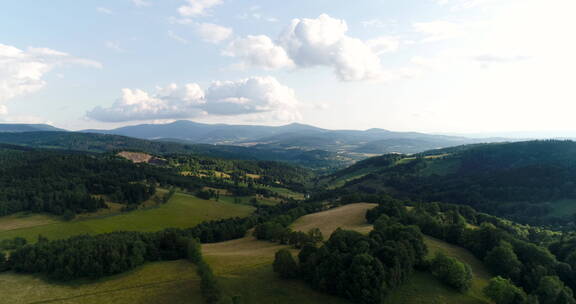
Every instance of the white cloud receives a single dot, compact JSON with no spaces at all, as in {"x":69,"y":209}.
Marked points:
{"x":438,"y":30}
{"x":195,"y":8}
{"x":251,"y":95}
{"x":104,"y":10}
{"x":313,"y":42}
{"x":259,"y":51}
{"x":213,"y":33}
{"x":141,"y":3}
{"x":22,"y":71}
{"x":323,"y":42}
{"x":3,"y":110}
{"x":256,"y":95}
{"x":177,"y":37}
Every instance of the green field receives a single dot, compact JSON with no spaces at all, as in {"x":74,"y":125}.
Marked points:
{"x":182,"y":211}
{"x":286,"y":192}
{"x":243,"y":267}
{"x":173,"y":282}
{"x":423,"y":288}
{"x":479,"y":271}
{"x":342,"y":180}
{"x":261,"y":285}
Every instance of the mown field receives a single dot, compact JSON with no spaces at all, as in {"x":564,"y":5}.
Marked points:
{"x":182,"y":211}
{"x":350,"y":217}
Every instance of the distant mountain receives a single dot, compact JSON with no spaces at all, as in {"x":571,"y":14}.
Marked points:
{"x":203,"y":133}
{"x":294,"y":136}
{"x":16,"y":128}
{"x":90,"y":142}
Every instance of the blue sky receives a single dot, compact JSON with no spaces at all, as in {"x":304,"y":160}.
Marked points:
{"x":454,"y":66}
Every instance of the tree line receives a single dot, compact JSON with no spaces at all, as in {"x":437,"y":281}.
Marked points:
{"x":95,"y":256}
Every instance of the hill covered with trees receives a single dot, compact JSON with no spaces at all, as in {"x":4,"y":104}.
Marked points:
{"x":319,"y":160}
{"x":68,"y":182}
{"x":532,"y":182}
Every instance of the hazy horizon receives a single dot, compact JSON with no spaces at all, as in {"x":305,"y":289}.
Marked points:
{"x":459,"y":67}
{"x":534,"y":134}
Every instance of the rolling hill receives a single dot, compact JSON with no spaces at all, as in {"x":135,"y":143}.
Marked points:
{"x":92,"y":142}
{"x":526,"y":181}
{"x":17,"y":128}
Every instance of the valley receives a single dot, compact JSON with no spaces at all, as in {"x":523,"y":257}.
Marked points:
{"x":280,"y":152}
{"x":243,"y":267}
{"x":246,"y":211}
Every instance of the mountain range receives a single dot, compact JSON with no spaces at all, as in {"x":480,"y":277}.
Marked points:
{"x":353,"y":143}
{"x":294,"y":136}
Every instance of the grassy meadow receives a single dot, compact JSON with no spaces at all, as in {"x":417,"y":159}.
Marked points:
{"x":243,"y":266}
{"x":173,"y":282}
{"x":350,"y":217}
{"x":182,"y":211}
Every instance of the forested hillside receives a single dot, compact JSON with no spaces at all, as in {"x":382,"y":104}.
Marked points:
{"x":532,"y":182}
{"x":67,"y":183}
{"x":90,"y":142}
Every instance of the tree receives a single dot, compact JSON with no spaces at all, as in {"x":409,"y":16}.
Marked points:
{"x":68,"y":215}
{"x":551,"y":290}
{"x":503,"y":260}
{"x":365,"y":279}
{"x":452,"y":272}
{"x":194,"y":251}
{"x":3,"y":263}
{"x":315,"y":235}
{"x":503,"y":291}
{"x":285,"y":265}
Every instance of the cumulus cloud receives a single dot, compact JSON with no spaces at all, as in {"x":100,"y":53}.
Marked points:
{"x":256,"y":95}
{"x":313,"y":42}
{"x":213,"y":33}
{"x":22,"y":71}
{"x":259,"y":51}
{"x":195,"y":8}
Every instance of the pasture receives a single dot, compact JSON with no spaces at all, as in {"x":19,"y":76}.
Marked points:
{"x":182,"y":211}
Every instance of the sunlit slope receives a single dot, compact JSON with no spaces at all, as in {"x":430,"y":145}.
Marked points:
{"x":173,"y":282}
{"x":182,"y":211}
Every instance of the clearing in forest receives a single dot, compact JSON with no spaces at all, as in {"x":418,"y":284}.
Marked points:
{"x":349,"y":217}
{"x":182,"y":211}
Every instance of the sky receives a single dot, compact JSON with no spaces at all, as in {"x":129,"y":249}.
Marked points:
{"x":437,"y":66}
